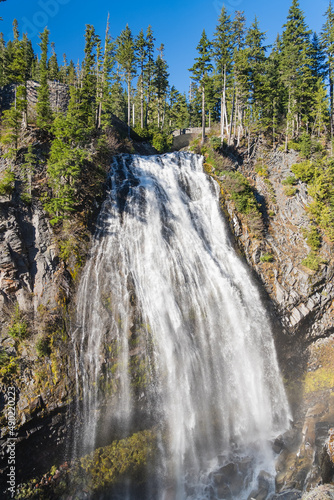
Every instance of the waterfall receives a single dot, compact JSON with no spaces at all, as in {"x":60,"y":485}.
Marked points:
{"x":172,"y":335}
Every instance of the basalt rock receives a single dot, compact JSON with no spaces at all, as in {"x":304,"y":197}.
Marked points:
{"x":302,"y":305}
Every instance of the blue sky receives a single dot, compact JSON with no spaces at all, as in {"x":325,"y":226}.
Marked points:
{"x":176,"y":23}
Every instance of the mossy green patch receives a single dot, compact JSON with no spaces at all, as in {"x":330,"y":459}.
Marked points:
{"x":320,"y":379}
{"x":109,"y":465}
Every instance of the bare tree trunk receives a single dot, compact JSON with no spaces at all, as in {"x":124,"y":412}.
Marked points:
{"x":203,"y":114}
{"x":223,"y":108}
{"x":235,"y":119}
{"x":287,"y":125}
{"x":331,"y":108}
{"x":129,"y":106}
{"x":231,"y":122}
{"x":163,"y":115}
{"x":141,"y":103}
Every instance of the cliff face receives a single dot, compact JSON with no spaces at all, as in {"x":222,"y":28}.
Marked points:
{"x":302,"y":301}
{"x":36,"y":354}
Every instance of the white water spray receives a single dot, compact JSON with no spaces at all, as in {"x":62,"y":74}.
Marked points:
{"x":171,"y":330}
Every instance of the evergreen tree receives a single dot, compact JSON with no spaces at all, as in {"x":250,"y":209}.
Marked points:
{"x":160,"y":83}
{"x":3,"y":55}
{"x":256,"y":63}
{"x":105,"y":79}
{"x":11,"y":123}
{"x":28,"y":168}
{"x":53,"y":68}
{"x":43,"y":107}
{"x":66,"y":159}
{"x":118,"y":105}
{"x":201,"y":70}
{"x":141,"y":49}
{"x":126,"y":57}
{"x":71,"y":76}
{"x":240,"y":74}
{"x":223,"y":53}
{"x":148,"y":70}
{"x":327,"y":41}
{"x":88,"y":88}
{"x":273,"y":106}
{"x":296,"y":64}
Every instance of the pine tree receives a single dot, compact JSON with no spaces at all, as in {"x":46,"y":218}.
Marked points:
{"x":223,"y":54}
{"x":148,"y":71}
{"x":320,"y":109}
{"x":71,"y":75}
{"x":160,"y":84}
{"x":3,"y":55}
{"x":11,"y":122}
{"x":201,"y":70}
{"x":126,"y":57}
{"x":43,"y":107}
{"x":296,"y":62}
{"x":327,"y":41}
{"x":88,"y":89}
{"x":240,"y":74}
{"x":28,"y":168}
{"x":53,"y":68}
{"x":104,"y":80}
{"x":273,"y":106}
{"x":256,"y":65}
{"x":66,"y":158}
{"x":141,"y":49}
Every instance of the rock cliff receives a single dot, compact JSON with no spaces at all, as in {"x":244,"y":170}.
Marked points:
{"x":301,"y":301}
{"x":36,"y":297}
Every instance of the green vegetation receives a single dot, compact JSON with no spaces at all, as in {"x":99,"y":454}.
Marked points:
{"x":290,"y":191}
{"x":261,"y":169}
{"x":289,"y":181}
{"x":18,"y":328}
{"x":43,"y":347}
{"x":8,"y":367}
{"x":313,"y":261}
{"x":266,"y":257}
{"x":319,"y":175}
{"x":7,"y":181}
{"x":312,"y":238}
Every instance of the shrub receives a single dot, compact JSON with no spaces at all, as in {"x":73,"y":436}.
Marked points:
{"x":162,"y":142}
{"x":215,"y":142}
{"x":305,"y":145}
{"x":266,"y":257}
{"x":289,"y":181}
{"x":313,"y":261}
{"x":293,"y":145}
{"x":7,"y":182}
{"x":43,"y":347}
{"x":312,"y":238}
{"x":18,"y":328}
{"x":290,"y":191}
{"x":304,"y":171}
{"x":261,"y":169}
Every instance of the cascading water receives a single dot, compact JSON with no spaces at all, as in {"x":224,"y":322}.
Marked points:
{"x":171,"y":335}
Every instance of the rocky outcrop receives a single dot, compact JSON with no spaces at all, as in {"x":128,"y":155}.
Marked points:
{"x":34,"y":288}
{"x":303,"y":314}
{"x":59,"y":96}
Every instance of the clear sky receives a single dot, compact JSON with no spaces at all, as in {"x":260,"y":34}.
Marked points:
{"x":176,"y":23}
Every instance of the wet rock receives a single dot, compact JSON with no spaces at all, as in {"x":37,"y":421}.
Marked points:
{"x":260,"y":494}
{"x":327,"y":459}
{"x":36,"y":405}
{"x":288,"y":495}
{"x":323,"y":492}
